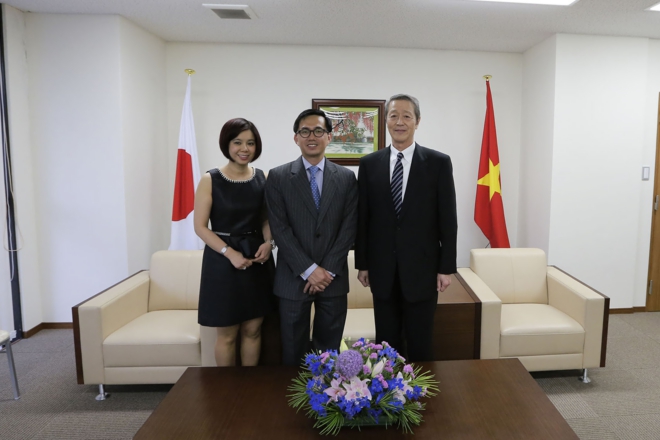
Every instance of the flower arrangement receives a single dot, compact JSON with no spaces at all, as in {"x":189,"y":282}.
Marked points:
{"x":368,"y":384}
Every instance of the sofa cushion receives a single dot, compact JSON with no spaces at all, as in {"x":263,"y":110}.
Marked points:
{"x":359,"y":297}
{"x":162,"y":338}
{"x":538,"y":329}
{"x":515,"y":275}
{"x":174,"y":280}
{"x":360,"y":323}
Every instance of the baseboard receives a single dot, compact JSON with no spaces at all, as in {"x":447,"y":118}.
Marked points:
{"x":46,"y":326}
{"x":627,"y":311}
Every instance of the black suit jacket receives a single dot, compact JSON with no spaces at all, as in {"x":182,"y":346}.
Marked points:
{"x":422,"y":242}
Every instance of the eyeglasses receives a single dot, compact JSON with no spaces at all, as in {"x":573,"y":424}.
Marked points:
{"x":305,"y":132}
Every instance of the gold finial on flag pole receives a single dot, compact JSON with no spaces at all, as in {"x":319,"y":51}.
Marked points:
{"x":488,"y":77}
{"x":189,"y":71}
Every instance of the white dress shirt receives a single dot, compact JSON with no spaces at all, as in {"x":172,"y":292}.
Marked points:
{"x":406,"y":161}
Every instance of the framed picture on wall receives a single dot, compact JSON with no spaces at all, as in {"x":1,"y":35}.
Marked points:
{"x":358,"y":128}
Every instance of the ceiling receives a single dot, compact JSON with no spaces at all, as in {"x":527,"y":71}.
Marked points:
{"x":426,"y":24}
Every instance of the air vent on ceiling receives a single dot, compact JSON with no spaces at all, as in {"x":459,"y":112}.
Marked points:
{"x":232,"y":11}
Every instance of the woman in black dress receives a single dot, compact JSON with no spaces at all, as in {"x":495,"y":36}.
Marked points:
{"x":237,"y":271}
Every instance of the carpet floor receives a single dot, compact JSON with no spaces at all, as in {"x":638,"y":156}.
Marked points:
{"x":621,"y":402}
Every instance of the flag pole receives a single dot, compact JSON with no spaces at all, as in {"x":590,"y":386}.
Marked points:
{"x":187,"y":176}
{"x":487,"y":77}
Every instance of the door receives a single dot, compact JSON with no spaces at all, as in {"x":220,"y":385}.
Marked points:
{"x":653,"y":284}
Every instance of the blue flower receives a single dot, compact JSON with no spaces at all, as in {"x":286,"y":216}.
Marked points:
{"x":395,"y":383}
{"x":388,"y":352}
{"x":397,"y":405}
{"x":375,"y":387}
{"x":317,"y":402}
{"x":415,"y":394}
{"x":375,"y":413}
{"x":351,"y":408}
{"x":315,"y":386}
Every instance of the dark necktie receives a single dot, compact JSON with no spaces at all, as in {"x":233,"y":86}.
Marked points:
{"x":397,"y":184}
{"x":316,"y":194}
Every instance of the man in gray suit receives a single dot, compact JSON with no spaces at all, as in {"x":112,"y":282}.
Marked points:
{"x":312,"y":210}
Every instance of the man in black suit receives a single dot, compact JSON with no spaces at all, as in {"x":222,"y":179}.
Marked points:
{"x":312,"y":210}
{"x":406,"y":241}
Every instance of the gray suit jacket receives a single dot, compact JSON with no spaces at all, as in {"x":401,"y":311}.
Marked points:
{"x":305,"y":235}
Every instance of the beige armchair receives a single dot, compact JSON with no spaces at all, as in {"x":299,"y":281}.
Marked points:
{"x":144,"y":329}
{"x":536,"y":313}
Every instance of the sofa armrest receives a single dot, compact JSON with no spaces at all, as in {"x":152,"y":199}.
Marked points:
{"x":101,"y":315}
{"x":491,"y":314}
{"x":207,"y":338}
{"x":588,"y":307}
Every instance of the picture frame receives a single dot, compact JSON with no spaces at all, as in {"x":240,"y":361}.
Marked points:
{"x":358,"y":128}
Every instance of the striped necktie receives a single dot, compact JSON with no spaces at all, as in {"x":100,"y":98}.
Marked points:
{"x":397,"y":184}
{"x":316,"y":194}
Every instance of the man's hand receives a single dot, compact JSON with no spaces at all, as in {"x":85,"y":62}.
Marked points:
{"x":318,"y":280}
{"x":309,"y":289}
{"x":363,"y":277}
{"x":263,"y":253}
{"x":443,"y":282}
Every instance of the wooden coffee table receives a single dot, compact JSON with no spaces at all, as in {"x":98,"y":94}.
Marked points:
{"x":479,"y":399}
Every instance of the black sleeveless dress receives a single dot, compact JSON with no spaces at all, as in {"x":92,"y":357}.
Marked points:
{"x":229,"y":296}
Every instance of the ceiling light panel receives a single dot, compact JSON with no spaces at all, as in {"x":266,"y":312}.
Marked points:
{"x":654,"y":8}
{"x":535,"y":2}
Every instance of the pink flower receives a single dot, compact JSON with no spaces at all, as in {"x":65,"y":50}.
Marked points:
{"x":366,"y":369}
{"x":357,"y":388}
{"x":373,"y":356}
{"x":409,"y":370}
{"x":325,"y":355}
{"x":335,"y":390}
{"x":357,"y":344}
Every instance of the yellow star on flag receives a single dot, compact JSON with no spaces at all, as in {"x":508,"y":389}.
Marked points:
{"x":492,"y":179}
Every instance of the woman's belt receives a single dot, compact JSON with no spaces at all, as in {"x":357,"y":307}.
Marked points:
{"x":236,"y":234}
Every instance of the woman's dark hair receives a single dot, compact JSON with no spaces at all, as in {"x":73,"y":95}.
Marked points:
{"x":232,"y":129}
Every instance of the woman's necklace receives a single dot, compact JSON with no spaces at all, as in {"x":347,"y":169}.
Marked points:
{"x":245,"y":176}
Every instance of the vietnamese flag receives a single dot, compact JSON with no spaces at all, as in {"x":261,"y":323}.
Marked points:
{"x":183,"y":235}
{"x":488,"y":207}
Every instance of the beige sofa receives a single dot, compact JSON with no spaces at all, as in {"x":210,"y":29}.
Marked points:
{"x":144,"y":329}
{"x":536,"y":313}
{"x":360,"y":315}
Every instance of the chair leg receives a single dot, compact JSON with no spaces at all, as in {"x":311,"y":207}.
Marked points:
{"x":102,"y":394}
{"x":584,"y":378}
{"x":12,"y":370}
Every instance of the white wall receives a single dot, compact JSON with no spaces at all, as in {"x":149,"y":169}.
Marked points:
{"x":143,"y":111}
{"x":97,"y":115}
{"x":270,"y":85}
{"x":600,"y":99}
{"x":537,"y":145}
{"x":26,"y":210}
{"x":74,"y":75}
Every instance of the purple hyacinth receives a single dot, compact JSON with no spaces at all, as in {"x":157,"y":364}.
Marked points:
{"x":349,"y":363}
